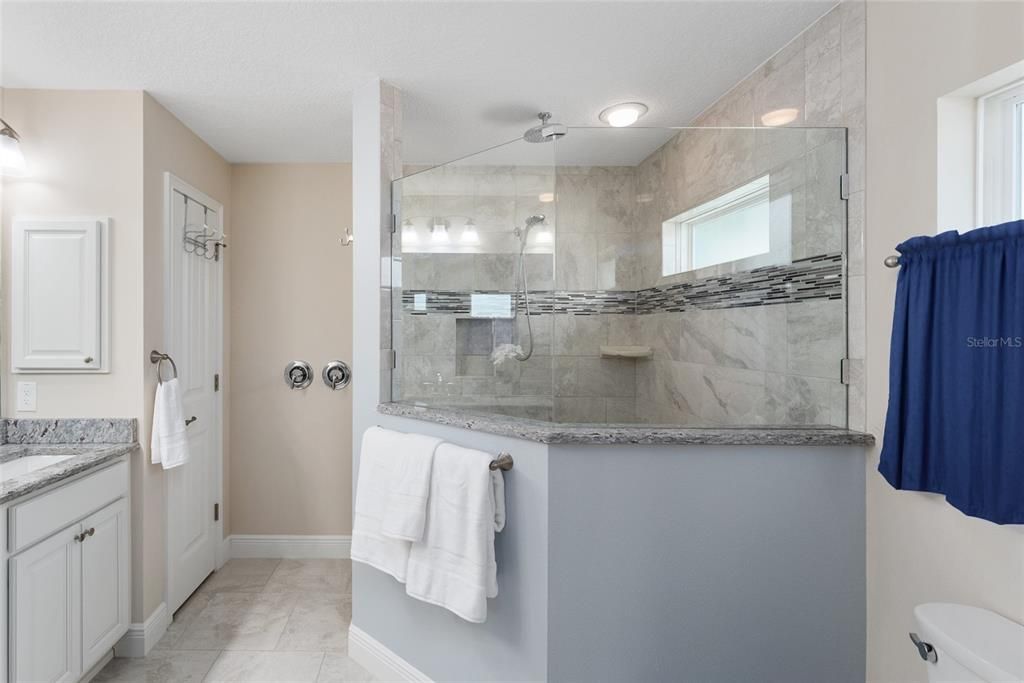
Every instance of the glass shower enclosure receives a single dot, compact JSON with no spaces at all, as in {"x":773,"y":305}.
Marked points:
{"x":677,"y":276}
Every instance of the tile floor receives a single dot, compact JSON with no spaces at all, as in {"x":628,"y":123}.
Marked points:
{"x":258,"y":621}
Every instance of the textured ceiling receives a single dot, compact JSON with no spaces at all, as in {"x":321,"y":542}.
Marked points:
{"x":266,"y":82}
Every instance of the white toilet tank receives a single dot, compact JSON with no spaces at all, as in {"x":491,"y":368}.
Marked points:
{"x":970,"y":643}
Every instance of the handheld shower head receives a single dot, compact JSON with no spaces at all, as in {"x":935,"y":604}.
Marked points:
{"x":524,"y":232}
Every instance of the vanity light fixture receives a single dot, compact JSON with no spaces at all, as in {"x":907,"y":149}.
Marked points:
{"x":12,"y":161}
{"x":625,"y":114}
{"x":439,"y":231}
{"x":469,"y":234}
{"x":780,"y":117}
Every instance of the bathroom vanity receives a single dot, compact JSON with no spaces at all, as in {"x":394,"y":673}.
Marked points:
{"x":66,"y":544}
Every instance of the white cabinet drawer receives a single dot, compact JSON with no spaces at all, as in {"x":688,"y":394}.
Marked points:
{"x":43,"y":515}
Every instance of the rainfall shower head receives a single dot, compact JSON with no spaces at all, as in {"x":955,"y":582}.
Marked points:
{"x":545,"y":132}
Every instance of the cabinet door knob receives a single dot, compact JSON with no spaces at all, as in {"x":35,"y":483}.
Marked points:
{"x":91,"y":531}
{"x":87,"y":360}
{"x":79,"y":538}
{"x":190,"y":420}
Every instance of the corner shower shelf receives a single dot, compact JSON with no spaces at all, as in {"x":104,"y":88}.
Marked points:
{"x":626,"y":352}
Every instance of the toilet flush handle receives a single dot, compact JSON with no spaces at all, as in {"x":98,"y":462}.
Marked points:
{"x":924,"y":649}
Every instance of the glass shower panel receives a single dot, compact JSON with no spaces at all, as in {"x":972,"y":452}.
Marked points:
{"x":688,"y":276}
{"x":463,"y":253}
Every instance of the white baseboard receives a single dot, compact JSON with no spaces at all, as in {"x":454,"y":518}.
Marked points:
{"x":141,"y":638}
{"x":289,"y":547}
{"x":380,"y":661}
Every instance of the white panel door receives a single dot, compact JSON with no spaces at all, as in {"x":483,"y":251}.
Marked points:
{"x":45,"y":619}
{"x":106,"y":586}
{"x":57,"y":294}
{"x":193,"y":334}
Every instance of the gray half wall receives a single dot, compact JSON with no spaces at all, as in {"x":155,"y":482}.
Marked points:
{"x":706,"y":563}
{"x":512,"y":644}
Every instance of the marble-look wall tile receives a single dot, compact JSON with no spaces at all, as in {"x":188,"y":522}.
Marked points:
{"x":580,"y":410}
{"x":855,"y":313}
{"x":579,"y":335}
{"x":731,"y":337}
{"x":780,"y":83}
{"x":825,"y":210}
{"x":494,"y":272}
{"x":793,"y":400}
{"x":823,"y":82}
{"x":853,"y":50}
{"x":575,"y":261}
{"x":618,"y":263}
{"x":855,"y":234}
{"x":815,"y":338}
{"x":620,"y":410}
{"x":427,"y":334}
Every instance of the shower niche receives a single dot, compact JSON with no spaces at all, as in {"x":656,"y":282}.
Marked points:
{"x":515,"y":272}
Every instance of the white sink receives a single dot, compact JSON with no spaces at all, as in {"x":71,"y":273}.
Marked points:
{"x":29,"y":463}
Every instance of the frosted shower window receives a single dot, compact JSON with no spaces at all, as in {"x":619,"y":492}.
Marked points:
{"x":733,"y":226}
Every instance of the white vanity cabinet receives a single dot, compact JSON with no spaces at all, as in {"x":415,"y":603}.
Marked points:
{"x":68,"y":562}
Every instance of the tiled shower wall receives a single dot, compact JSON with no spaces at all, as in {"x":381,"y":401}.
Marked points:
{"x":443,"y":361}
{"x":751,"y":364}
{"x":775,"y":363}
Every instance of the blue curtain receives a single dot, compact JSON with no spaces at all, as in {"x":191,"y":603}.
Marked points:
{"x":955,"y":423}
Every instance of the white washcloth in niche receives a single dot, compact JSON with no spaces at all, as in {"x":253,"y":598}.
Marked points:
{"x":169,"y":444}
{"x":454,"y":565}
{"x":380,"y":470}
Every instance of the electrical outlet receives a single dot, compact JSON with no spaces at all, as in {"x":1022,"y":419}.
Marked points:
{"x":26,"y":397}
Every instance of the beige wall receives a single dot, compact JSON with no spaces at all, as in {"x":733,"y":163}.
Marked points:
{"x":291,"y":462}
{"x":104,"y":153}
{"x":919,"y":548}
{"x":84,"y":150}
{"x":167,"y":146}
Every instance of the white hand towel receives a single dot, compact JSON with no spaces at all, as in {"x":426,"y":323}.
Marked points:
{"x":454,"y":565}
{"x":405,"y":513}
{"x":382,"y":472}
{"x":169,"y":444}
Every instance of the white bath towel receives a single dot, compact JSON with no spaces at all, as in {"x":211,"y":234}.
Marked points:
{"x":405,"y":513}
{"x":169,"y":444}
{"x":382,"y":469}
{"x":454,"y":565}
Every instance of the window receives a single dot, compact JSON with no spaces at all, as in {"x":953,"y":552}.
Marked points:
{"x":1001,"y":155}
{"x":731,"y":227}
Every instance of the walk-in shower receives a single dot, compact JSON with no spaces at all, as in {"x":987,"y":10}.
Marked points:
{"x":687,"y":276}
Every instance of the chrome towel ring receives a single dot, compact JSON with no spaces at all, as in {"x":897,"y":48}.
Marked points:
{"x":157,"y":358}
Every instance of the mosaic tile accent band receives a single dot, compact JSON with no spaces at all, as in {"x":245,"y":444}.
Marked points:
{"x":818,"y":277}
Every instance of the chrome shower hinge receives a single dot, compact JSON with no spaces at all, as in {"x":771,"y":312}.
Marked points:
{"x":388,"y":359}
{"x":844,"y":371}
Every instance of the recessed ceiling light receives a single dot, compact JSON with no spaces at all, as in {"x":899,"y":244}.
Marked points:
{"x":780,"y":117}
{"x":625,"y":114}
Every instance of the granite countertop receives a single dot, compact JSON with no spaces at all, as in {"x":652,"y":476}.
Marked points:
{"x":650,"y":435}
{"x":85,"y":443}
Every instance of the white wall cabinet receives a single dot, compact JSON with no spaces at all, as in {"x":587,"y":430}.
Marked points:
{"x":59,"y":308}
{"x":69,"y":593}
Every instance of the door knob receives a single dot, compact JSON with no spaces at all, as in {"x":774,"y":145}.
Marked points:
{"x":298,"y":374}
